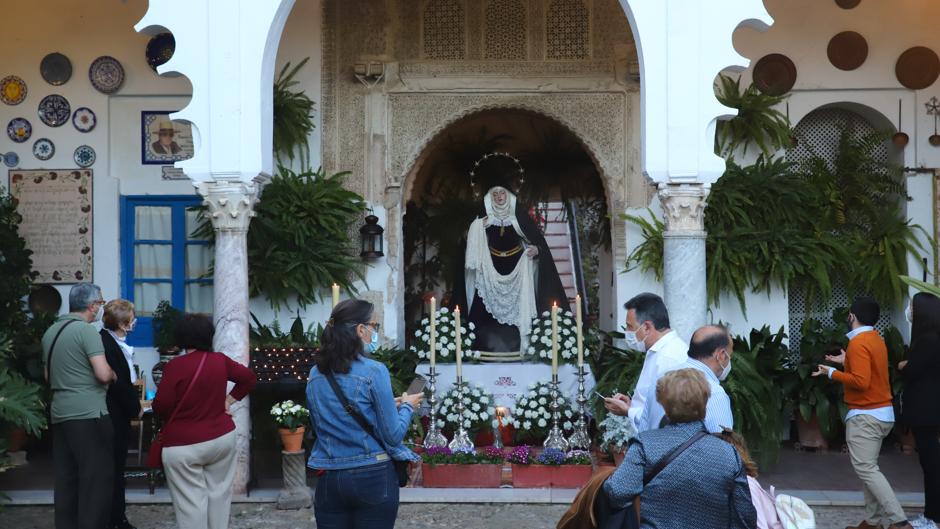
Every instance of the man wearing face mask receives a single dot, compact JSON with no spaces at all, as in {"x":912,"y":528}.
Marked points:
{"x":648,"y":331}
{"x":871,"y":413}
{"x":710,"y":352}
{"x":78,"y":373}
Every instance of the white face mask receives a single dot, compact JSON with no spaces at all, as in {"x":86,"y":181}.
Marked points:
{"x":725,"y":370}
{"x":100,"y":313}
{"x":634,"y":342}
{"x":909,"y":313}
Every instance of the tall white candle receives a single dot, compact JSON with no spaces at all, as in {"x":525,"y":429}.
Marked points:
{"x":433,"y":332}
{"x":577,"y":301}
{"x":459,"y":339}
{"x":554,"y":339}
{"x":335,"y":294}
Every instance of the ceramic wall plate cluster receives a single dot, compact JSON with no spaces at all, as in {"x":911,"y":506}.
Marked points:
{"x":19,"y":129}
{"x":84,"y":156}
{"x":54,"y":110}
{"x":56,"y":69}
{"x":43,"y":149}
{"x":11,"y":159}
{"x":12,"y":90}
{"x":84,"y":119}
{"x":106,"y":74}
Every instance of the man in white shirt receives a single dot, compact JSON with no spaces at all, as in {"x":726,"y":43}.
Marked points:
{"x":648,"y":331}
{"x":710,"y":353}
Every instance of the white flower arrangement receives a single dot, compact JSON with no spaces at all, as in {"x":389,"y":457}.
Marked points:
{"x":479,"y":407}
{"x":540,"y":337}
{"x":446,"y":338}
{"x":288,"y":414}
{"x":533,"y":410}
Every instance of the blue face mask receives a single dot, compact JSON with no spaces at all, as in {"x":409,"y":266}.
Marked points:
{"x":373,"y":345}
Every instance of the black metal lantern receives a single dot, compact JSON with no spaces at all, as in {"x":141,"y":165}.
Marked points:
{"x":371,"y":236}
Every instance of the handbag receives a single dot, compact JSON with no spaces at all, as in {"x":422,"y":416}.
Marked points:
{"x":155,"y":455}
{"x":401,"y":467}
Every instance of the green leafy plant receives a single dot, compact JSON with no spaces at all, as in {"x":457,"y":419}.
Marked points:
{"x":757,"y":399}
{"x":921,"y":286}
{"x":298,"y":241}
{"x":820,"y":395}
{"x":290,"y":415}
{"x":21,"y":402}
{"x":648,"y":255}
{"x":401,"y":365}
{"x":164,"y":325}
{"x":293,"y":117}
{"x":615,"y":369}
{"x":441,"y":455}
{"x":261,"y":335}
{"x":758,"y":121}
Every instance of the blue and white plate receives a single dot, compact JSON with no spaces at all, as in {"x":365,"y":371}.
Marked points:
{"x":19,"y":130}
{"x":84,"y":119}
{"x":54,"y":110}
{"x":106,"y":74}
{"x":11,"y":159}
{"x":84,"y":156}
{"x":43,"y":149}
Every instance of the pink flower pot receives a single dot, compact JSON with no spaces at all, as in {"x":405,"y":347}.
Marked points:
{"x":462,"y":476}
{"x":546,"y":476}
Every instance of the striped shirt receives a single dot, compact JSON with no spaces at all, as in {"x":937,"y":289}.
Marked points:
{"x":717,"y":412}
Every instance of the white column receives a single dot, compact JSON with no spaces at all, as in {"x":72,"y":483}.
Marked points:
{"x":231,"y":206}
{"x":684,"y":255}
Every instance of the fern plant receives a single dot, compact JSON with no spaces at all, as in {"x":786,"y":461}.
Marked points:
{"x":293,"y":117}
{"x":758,"y":121}
{"x":21,"y":403}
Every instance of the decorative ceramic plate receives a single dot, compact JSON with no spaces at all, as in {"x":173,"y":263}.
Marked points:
{"x":43,"y":148}
{"x":106,"y":74}
{"x":84,"y":156}
{"x":11,"y":159}
{"x":160,"y":49}
{"x":54,"y":110}
{"x":917,"y":68}
{"x":12,"y":90}
{"x":84,"y":119}
{"x":19,"y":130}
{"x":847,"y":50}
{"x":774,"y":74}
{"x":56,"y":69}
{"x":847,"y":4}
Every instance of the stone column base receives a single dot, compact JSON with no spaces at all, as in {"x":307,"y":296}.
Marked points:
{"x":295,"y":494}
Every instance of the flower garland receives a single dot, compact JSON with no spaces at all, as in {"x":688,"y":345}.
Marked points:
{"x":446,"y":344}
{"x":540,"y":337}
{"x":479,"y":412}
{"x":533,"y":412}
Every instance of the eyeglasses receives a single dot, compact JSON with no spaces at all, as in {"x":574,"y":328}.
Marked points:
{"x":374,"y":324}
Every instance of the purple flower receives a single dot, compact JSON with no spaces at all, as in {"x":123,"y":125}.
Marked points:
{"x":551,"y":456}
{"x":438,"y":451}
{"x":492,"y":451}
{"x":520,"y":455}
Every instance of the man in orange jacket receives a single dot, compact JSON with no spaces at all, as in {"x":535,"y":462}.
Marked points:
{"x":871,"y":414}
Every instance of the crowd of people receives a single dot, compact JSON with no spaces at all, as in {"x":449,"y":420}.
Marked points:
{"x":682,"y":414}
{"x":92,"y":376}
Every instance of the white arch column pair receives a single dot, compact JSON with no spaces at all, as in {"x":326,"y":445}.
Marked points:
{"x":682,"y":46}
{"x":227,"y":49}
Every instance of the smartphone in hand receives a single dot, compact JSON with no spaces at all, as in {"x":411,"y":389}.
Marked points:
{"x":601,"y":396}
{"x":417,"y":385}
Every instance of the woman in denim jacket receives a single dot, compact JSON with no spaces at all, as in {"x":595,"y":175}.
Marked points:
{"x":358,"y":488}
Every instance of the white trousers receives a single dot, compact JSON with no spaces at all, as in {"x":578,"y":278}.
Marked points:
{"x":199,"y":477}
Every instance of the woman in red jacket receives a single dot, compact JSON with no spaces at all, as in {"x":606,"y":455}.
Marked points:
{"x":199,"y":434}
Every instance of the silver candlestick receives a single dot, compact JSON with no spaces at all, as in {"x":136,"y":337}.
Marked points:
{"x":434,"y":436}
{"x":580,"y":438}
{"x":556,"y":438}
{"x":461,"y":441}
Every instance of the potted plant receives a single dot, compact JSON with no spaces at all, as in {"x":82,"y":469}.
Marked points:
{"x":818,"y":400}
{"x":291,"y":419}
{"x":616,"y":432}
{"x":532,"y":414}
{"x":479,"y":413}
{"x":551,"y":468}
{"x":444,"y":468}
{"x":446,"y":343}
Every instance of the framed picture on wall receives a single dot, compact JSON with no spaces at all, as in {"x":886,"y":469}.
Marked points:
{"x":164,"y":141}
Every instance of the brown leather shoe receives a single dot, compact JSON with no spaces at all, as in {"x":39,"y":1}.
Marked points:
{"x":864,"y":525}
{"x":901,"y":525}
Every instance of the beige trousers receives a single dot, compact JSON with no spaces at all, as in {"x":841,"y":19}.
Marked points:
{"x":864,"y":434}
{"x":200,"y":480}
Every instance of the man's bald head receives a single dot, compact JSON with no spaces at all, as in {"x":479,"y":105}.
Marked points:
{"x":708,"y":339}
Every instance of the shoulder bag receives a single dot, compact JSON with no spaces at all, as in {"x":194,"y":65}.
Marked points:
{"x":401,"y":467}
{"x":155,"y":455}
{"x":52,"y":349}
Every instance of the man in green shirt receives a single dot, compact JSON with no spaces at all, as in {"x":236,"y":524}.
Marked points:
{"x":78,"y":374}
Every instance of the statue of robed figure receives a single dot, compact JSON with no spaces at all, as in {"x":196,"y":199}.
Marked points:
{"x":509,"y":275}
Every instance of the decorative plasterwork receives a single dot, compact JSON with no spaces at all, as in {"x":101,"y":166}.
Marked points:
{"x":416,"y":120}
{"x":684,"y":208}
{"x":514,"y":68}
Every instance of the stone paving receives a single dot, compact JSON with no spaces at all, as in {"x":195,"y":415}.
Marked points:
{"x":411,"y":516}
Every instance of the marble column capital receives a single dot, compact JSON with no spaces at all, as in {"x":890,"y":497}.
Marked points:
{"x":684,"y":208}
{"x":231,"y":203}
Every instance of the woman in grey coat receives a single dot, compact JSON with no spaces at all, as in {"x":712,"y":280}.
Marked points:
{"x":704,"y":486}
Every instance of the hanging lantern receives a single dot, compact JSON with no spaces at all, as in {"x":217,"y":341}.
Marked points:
{"x":371,"y":236}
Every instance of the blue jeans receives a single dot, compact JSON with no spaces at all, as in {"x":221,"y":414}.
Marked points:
{"x":357,"y":498}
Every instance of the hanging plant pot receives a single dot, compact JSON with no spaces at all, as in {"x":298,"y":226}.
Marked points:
{"x":900,"y":139}
{"x":934,"y":140}
{"x":293,"y":441}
